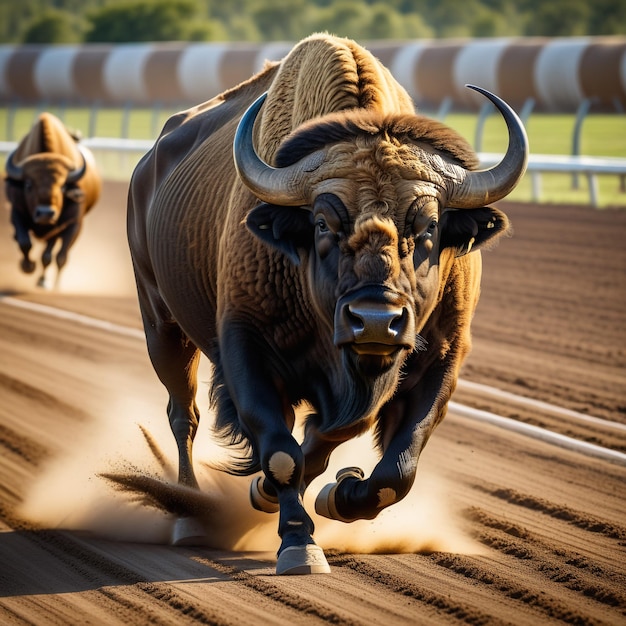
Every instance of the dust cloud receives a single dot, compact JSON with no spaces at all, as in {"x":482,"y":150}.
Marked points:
{"x":97,"y":265}
{"x":118,"y":481}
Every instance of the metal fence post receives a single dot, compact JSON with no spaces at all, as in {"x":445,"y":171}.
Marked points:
{"x":485,"y":111}
{"x":444,"y":108}
{"x":527,"y":108}
{"x":581,"y":113}
{"x":93,"y":118}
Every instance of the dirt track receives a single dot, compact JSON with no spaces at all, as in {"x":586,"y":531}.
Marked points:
{"x":501,"y":528}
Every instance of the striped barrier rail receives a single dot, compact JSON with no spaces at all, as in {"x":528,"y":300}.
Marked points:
{"x":558,"y":74}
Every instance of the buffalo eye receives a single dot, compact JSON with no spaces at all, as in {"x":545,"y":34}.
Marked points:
{"x":326,"y":237}
{"x":28,"y":185}
{"x":327,"y":232}
{"x":425,"y":234}
{"x":425,"y":231}
{"x":321,"y":225}
{"x":431,"y":229}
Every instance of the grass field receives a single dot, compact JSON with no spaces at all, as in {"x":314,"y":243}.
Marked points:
{"x":601,"y":135}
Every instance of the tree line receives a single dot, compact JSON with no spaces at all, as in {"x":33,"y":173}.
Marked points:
{"x":124,"y":21}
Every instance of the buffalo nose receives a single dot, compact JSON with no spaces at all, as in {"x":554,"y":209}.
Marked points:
{"x":44,"y":214}
{"x":371,"y":322}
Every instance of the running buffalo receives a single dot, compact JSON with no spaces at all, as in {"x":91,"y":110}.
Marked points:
{"x":320,"y":242}
{"x":51,"y":183}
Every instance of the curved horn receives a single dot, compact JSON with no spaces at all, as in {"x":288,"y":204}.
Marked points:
{"x":286,"y":185}
{"x":486,"y":186}
{"x":75,"y":175}
{"x":13,"y":171}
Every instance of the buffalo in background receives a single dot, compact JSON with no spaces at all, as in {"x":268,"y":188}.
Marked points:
{"x":51,"y":183}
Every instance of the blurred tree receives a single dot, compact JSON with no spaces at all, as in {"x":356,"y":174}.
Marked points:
{"x":267,"y":20}
{"x":384,"y":23}
{"x":560,"y":18}
{"x":496,"y":22}
{"x":281,"y":19}
{"x":450,"y":18}
{"x":54,"y":27}
{"x":144,"y":20}
{"x":241,"y":28}
{"x":341,"y":18}
{"x":352,"y":18}
{"x":608,"y":17}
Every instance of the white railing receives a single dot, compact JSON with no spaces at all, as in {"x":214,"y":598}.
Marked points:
{"x":110,"y":144}
{"x":587,"y":166}
{"x":116,"y":157}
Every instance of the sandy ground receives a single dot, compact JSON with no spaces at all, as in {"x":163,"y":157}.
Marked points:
{"x":501,"y":528}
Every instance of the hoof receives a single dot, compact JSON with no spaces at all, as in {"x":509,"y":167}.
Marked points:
{"x":307,"y":559}
{"x":44,"y":284}
{"x":188,"y":531}
{"x":260,"y":499}
{"x":28,"y":266}
{"x":325,"y":501}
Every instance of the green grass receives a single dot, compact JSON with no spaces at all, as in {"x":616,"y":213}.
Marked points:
{"x":135,"y":123}
{"x":602,"y":135}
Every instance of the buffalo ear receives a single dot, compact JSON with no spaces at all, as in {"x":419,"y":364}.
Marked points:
{"x":471,"y":229}
{"x":75,"y":194}
{"x":285,"y":228}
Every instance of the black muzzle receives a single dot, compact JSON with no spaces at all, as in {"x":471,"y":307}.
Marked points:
{"x":374,"y":321}
{"x":44,"y":214}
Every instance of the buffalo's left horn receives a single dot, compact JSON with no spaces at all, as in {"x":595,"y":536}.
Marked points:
{"x":486,"y":186}
{"x":286,"y":186}
{"x":75,"y":175}
{"x":13,"y":171}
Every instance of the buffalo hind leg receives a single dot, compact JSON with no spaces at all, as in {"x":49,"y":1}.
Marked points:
{"x":46,"y":260}
{"x":175,"y":360}
{"x":68,"y":237}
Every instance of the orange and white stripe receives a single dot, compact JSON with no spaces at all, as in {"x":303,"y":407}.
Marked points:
{"x":557,"y":73}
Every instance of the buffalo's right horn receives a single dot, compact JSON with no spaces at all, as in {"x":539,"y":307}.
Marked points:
{"x":76,"y":174}
{"x":286,"y":186}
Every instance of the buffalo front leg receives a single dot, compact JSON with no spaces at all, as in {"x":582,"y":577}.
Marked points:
{"x":409,"y":419}
{"x":267,"y":422}
{"x":354,"y":497}
{"x":22,"y":237}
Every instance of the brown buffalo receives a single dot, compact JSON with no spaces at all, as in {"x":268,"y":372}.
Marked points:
{"x":51,"y":183}
{"x":319,"y":242}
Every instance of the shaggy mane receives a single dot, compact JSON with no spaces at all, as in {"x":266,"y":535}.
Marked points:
{"x":346,"y":125}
